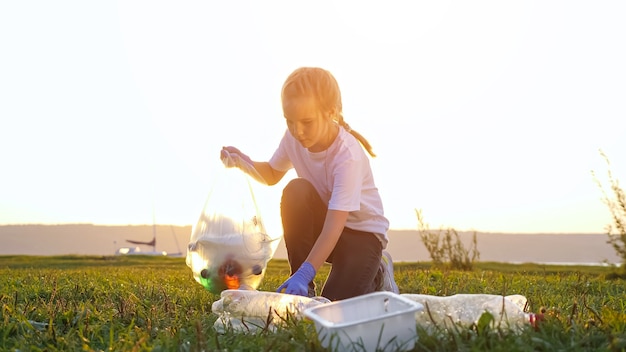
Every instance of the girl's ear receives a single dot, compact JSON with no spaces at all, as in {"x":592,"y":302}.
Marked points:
{"x":332,"y":114}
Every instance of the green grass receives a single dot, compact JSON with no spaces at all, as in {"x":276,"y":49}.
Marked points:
{"x":74,"y":303}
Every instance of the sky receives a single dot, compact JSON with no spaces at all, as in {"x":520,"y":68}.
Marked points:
{"x":486,"y":115}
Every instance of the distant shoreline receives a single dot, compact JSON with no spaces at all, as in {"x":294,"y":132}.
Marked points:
{"x":404,"y":245}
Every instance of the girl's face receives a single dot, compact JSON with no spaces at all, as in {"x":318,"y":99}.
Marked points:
{"x":314,"y":129}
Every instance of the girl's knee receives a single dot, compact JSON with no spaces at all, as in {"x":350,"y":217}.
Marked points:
{"x":297,"y":189}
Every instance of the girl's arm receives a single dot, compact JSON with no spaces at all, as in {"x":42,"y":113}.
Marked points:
{"x":333,"y":227}
{"x":298,"y":282}
{"x":269,"y":174}
{"x":260,"y":171}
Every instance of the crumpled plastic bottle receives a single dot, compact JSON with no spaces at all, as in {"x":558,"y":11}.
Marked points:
{"x":248,"y":311}
{"x":466,"y":309}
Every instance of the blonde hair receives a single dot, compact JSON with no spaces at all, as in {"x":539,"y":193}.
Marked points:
{"x":320,"y":84}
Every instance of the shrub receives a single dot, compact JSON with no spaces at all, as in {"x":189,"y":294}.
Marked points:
{"x":446,"y":248}
{"x":617,"y":206}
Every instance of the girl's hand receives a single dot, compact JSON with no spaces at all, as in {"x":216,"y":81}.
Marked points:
{"x":233,"y":157}
{"x":298,"y":283}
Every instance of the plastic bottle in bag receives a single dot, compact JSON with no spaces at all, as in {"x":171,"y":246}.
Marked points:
{"x":247,"y":311}
{"x":466,"y":309}
{"x":229,"y":247}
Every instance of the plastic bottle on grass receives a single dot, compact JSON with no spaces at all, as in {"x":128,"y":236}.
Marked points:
{"x":247,"y":311}
{"x":466,"y":310}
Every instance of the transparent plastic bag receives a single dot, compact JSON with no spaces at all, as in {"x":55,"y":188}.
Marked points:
{"x":248,"y":311}
{"x":229,"y":247}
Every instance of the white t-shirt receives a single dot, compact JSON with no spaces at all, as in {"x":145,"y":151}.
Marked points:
{"x":342,"y":176}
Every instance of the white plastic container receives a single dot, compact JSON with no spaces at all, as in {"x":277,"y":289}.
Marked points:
{"x":376,"y":321}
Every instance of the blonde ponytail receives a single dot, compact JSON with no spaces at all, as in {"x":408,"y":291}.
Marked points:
{"x":356,"y":134}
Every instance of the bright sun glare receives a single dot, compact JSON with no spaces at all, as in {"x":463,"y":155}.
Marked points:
{"x":486,"y":115}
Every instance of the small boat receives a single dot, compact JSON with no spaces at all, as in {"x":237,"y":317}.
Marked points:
{"x":137,"y":250}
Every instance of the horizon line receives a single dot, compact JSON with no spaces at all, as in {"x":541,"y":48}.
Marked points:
{"x":391,"y":229}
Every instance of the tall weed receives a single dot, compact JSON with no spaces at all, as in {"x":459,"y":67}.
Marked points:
{"x":617,"y":206}
{"x":446,"y":248}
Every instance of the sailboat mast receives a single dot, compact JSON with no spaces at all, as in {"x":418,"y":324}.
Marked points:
{"x":153,"y":230}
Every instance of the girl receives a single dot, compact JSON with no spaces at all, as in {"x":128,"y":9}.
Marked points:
{"x":332,"y":212}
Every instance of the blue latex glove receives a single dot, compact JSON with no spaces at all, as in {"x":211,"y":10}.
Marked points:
{"x":298,"y":283}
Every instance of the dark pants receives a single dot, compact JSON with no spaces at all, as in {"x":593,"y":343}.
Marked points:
{"x":356,"y":257}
